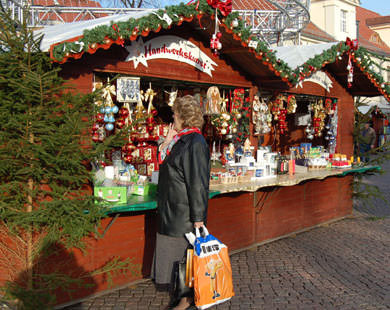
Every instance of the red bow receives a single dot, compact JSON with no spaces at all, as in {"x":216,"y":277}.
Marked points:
{"x":353,"y":44}
{"x":225,"y":6}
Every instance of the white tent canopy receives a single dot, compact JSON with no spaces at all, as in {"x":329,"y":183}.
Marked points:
{"x":297,"y":55}
{"x":62,"y":32}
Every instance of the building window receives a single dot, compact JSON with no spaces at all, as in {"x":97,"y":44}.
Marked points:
{"x":343,"y":21}
{"x":388,"y":74}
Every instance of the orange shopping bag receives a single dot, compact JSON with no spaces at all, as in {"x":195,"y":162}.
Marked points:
{"x":213,"y":282}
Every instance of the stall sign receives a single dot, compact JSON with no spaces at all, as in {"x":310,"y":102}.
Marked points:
{"x":169,"y":47}
{"x":319,"y":78}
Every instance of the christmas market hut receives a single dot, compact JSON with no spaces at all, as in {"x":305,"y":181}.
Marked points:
{"x":279,"y":127}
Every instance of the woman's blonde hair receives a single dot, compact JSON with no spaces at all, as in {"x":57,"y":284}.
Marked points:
{"x":188,"y":110}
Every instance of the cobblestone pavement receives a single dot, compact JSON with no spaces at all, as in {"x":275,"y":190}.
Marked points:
{"x":344,"y":265}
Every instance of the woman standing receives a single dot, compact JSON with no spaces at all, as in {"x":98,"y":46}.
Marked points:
{"x":183,"y":187}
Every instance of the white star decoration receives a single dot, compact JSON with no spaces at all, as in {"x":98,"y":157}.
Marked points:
{"x":136,"y":53}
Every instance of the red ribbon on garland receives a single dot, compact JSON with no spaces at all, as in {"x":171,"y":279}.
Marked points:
{"x":196,"y":8}
{"x":120,"y":40}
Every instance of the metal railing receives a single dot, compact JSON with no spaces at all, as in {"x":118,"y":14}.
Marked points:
{"x":273,"y":22}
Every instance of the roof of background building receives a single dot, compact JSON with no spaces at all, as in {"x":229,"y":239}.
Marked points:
{"x":377,"y":21}
{"x":253,"y":5}
{"x":67,"y":3}
{"x":366,"y":35}
{"x":314,"y":32}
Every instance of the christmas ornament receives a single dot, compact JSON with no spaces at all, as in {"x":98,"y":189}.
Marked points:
{"x":223,"y":122}
{"x":120,"y":123}
{"x":353,"y":46}
{"x":123,"y":112}
{"x":215,"y":43}
{"x":237,"y":102}
{"x":279,"y":112}
{"x":291,"y":104}
{"x":225,"y":6}
{"x":100,"y":118}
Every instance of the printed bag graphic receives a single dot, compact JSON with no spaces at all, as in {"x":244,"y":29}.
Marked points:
{"x":213,"y":282}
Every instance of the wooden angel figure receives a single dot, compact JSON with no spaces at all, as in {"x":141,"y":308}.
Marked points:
{"x":213,"y":100}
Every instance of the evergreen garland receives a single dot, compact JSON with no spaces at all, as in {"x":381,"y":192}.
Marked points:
{"x":105,"y":36}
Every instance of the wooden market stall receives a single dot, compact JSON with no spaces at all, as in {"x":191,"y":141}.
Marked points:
{"x":168,"y":51}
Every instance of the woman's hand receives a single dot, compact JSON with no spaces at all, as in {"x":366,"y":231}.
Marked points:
{"x":198,"y":224}
{"x":171,"y":133}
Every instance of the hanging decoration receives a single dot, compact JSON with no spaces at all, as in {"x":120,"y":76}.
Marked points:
{"x":353,"y":46}
{"x":319,"y":116}
{"x":320,"y":111}
{"x":151,"y":111}
{"x":125,"y":116}
{"x":225,"y":7}
{"x":243,"y":122}
{"x":279,"y":112}
{"x":105,"y":118}
{"x":215,"y":43}
{"x":127,"y":151}
{"x":223,"y":122}
{"x":331,"y":127}
{"x":291,"y":104}
{"x":109,"y":108}
{"x":261,"y":118}
{"x":237,"y":102}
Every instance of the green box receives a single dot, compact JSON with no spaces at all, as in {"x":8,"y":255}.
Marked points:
{"x":144,"y":190}
{"x":117,"y":194}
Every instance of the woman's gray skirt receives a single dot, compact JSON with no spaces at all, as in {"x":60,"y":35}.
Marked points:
{"x":168,"y":250}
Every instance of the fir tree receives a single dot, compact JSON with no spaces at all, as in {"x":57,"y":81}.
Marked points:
{"x":45,"y":175}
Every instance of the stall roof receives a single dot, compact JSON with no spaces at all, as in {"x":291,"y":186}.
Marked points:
{"x":297,"y":55}
{"x":64,"y":32}
{"x":273,"y":69}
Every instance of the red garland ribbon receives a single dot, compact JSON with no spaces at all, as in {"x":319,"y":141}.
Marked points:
{"x":196,"y":9}
{"x":120,"y":41}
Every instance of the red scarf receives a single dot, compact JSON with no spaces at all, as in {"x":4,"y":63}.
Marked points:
{"x":164,"y":153}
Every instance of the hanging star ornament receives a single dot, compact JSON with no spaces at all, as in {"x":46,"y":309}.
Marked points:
{"x":136,"y":53}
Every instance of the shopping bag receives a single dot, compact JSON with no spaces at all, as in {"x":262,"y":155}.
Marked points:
{"x":213,"y":282}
